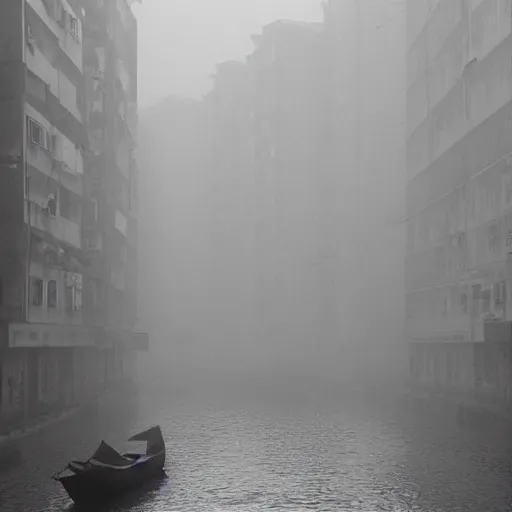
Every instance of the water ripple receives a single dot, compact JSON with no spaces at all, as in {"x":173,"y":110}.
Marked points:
{"x":242,"y":458}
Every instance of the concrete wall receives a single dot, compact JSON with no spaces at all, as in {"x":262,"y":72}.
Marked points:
{"x":63,"y":150}
{"x":37,"y":381}
{"x":11,"y":31}
{"x":41,"y":65}
{"x":13,"y":375}
{"x":68,"y":306}
{"x":70,"y":44}
{"x":11,"y":160}
{"x":483,"y":370}
{"x":447,"y":365}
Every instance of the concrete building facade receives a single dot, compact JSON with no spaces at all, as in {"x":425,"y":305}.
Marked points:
{"x":459,"y":217}
{"x":49,"y":332}
{"x":291,"y":144}
{"x":230,"y":205}
{"x":110,"y":224}
{"x":175,"y":266}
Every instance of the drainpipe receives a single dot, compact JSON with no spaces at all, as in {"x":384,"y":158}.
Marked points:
{"x":26,"y":191}
{"x":26,"y":315}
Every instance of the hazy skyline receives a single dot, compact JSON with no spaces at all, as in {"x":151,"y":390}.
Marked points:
{"x":180,"y":41}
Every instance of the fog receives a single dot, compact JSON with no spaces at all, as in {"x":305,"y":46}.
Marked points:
{"x":291,"y":263}
{"x":180,"y":41}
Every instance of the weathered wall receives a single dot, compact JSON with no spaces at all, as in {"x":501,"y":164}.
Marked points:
{"x":11,"y":162}
{"x":37,"y":381}
{"x":482,"y":370}
{"x":68,"y":43}
{"x":13,"y":375}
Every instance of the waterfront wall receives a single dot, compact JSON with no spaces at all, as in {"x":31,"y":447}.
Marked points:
{"x":37,"y":382}
{"x":475,"y":372}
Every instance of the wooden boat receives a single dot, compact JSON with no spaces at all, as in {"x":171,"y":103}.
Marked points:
{"x":109,"y":474}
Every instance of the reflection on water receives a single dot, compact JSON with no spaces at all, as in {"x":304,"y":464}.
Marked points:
{"x":323,"y":451}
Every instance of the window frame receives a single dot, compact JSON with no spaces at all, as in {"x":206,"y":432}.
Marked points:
{"x":54,"y":303}
{"x":46,"y":143}
{"x":73,"y":26}
{"x":34,"y":280}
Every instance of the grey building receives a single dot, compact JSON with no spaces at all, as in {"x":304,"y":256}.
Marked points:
{"x":50,"y":330}
{"x":459,"y":222}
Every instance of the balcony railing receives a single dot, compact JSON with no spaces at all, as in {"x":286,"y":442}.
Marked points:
{"x":58,"y":227}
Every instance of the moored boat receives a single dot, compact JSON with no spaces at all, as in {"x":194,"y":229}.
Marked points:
{"x":108,"y":474}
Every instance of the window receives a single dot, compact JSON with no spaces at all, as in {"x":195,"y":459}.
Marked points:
{"x":486,"y":301}
{"x":36,"y":291}
{"x":494,"y":237}
{"x":39,"y":135}
{"x":51,"y":206}
{"x":69,"y":205}
{"x":509,"y":238}
{"x":31,"y":41}
{"x":51,"y":294}
{"x":499,"y":294}
{"x":96,"y":294}
{"x":73,"y":26}
{"x":77,"y":299}
{"x":68,"y":300}
{"x":464,"y":303}
{"x":461,"y":239}
{"x":94,"y":203}
{"x":51,"y":257}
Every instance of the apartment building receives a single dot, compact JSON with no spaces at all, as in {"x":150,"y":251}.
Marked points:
{"x":230,"y":205}
{"x":459,"y":223}
{"x":49,"y":333}
{"x":291,"y":145}
{"x":110,"y":223}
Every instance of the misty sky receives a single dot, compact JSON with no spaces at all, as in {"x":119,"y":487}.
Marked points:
{"x":181,"y":40}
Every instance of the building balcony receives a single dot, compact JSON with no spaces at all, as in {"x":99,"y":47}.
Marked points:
{"x":58,"y":227}
{"x":58,"y":84}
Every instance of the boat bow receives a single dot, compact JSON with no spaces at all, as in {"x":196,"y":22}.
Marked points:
{"x":154,"y":439}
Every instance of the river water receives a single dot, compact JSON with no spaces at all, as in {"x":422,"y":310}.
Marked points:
{"x":278,"y":450}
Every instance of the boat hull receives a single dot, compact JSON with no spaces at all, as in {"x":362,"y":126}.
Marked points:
{"x":105,"y":484}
